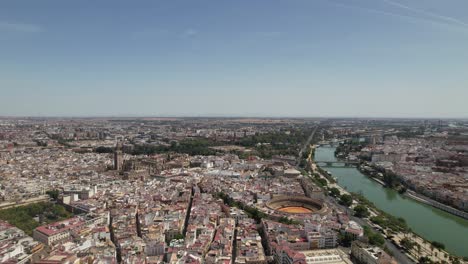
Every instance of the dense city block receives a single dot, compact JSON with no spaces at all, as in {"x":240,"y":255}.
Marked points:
{"x":217,"y":190}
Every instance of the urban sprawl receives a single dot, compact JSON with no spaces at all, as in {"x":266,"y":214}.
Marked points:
{"x":221,"y":190}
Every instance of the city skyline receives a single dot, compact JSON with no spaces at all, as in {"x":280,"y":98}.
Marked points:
{"x":208,"y":190}
{"x":359,"y":58}
{"x":234,"y":132}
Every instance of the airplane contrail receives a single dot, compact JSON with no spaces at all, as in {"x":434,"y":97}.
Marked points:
{"x":429,"y":17}
{"x":430,"y":14}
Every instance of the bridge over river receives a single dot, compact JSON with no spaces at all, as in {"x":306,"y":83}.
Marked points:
{"x":337,"y":164}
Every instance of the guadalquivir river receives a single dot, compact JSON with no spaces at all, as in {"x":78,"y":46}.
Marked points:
{"x":431,"y":223}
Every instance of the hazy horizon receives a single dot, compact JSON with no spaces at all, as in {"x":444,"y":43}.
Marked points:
{"x":231,"y":117}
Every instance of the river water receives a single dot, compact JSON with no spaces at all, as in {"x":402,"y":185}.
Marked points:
{"x":431,"y":223}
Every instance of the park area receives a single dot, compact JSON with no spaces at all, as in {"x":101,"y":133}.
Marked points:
{"x":28,"y":217}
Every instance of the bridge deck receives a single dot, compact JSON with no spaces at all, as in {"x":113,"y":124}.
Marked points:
{"x":337,"y":164}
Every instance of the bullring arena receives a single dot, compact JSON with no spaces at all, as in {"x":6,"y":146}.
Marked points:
{"x":296,"y":205}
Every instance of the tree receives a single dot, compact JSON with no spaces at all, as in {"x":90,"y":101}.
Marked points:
{"x":41,"y":143}
{"x":361,"y":211}
{"x":376,"y":239}
{"x":102,"y":149}
{"x":179,"y":236}
{"x":303,"y":163}
{"x":346,"y":239}
{"x":287,"y":221}
{"x":23,"y":216}
{"x":53,"y":194}
{"x":335,"y":192}
{"x":407,"y":244}
{"x":346,"y":200}
{"x":438,"y":245}
{"x":402,"y":190}
{"x":425,"y":260}
{"x":378,"y":220}
{"x":391,"y":179}
{"x":321,"y":181}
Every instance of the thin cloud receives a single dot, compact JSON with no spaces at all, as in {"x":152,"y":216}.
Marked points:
{"x":20,"y":27}
{"x":426,"y":19}
{"x":430,"y":14}
{"x":189,"y":33}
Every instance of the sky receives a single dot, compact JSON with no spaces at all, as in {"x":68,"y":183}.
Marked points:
{"x":298,"y":58}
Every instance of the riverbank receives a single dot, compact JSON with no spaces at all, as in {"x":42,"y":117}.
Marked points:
{"x":370,"y":172}
{"x":379,"y":181}
{"x":426,"y":200}
{"x":388,"y":246}
{"x":430,"y":223}
{"x":421,"y":248}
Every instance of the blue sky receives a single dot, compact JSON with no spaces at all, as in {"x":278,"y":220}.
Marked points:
{"x":378,"y":58}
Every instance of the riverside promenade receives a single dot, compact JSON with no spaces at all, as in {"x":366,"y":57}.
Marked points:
{"x":426,"y":200}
